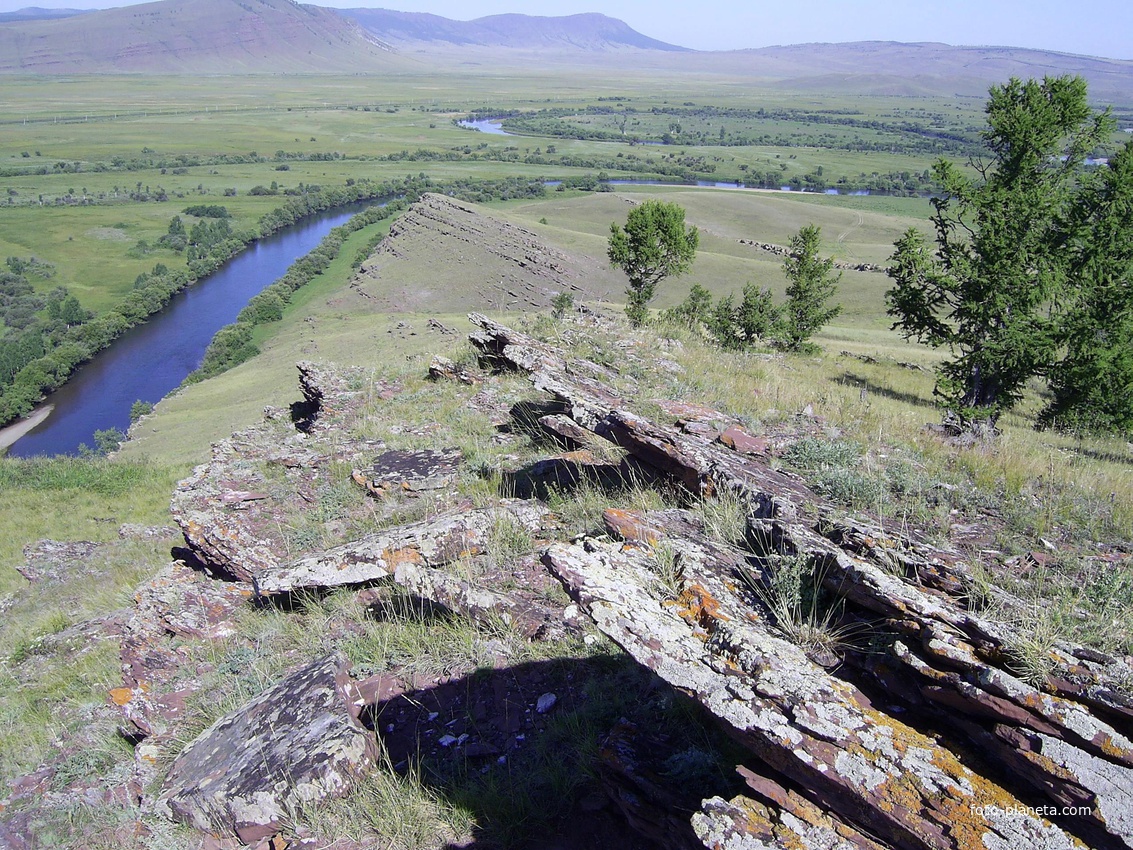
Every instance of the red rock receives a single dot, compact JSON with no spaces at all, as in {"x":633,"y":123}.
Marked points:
{"x":743,"y":442}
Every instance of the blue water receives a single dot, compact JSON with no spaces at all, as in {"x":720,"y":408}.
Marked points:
{"x":486,"y":125}
{"x":150,"y":360}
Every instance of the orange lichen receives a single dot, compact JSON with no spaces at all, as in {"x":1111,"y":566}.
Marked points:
{"x":406,"y":555}
{"x":698,"y":607}
{"x":121,"y":696}
{"x":630,"y":526}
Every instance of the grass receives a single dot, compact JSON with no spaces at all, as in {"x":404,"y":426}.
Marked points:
{"x":791,"y":589}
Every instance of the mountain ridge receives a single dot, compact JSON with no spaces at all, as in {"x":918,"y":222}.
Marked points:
{"x":179,"y":36}
{"x":586,"y":31}
{"x":283,"y":36}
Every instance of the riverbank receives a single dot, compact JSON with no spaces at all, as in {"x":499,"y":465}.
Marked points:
{"x":10,"y":433}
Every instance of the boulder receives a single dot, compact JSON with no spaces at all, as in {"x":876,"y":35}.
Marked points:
{"x":298,"y":742}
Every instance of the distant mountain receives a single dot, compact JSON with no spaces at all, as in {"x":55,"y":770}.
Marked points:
{"x":923,"y":68}
{"x":198,"y":36}
{"x":587,"y":32}
{"x":36,"y":13}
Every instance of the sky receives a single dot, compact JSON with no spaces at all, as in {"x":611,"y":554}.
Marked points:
{"x":1101,"y":28}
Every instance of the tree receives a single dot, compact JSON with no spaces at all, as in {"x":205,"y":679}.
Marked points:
{"x":757,"y":315}
{"x":694,"y":311}
{"x":999,"y":266}
{"x":653,"y":245}
{"x":1092,"y":384}
{"x":810,"y":289}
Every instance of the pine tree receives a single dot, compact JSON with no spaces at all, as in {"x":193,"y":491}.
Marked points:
{"x":1000,"y":261}
{"x":1093,"y":382}
{"x":811,"y":287}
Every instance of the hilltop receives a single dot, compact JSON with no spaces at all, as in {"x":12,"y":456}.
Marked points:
{"x":198,"y":36}
{"x":280,"y":36}
{"x":554,"y":579}
{"x":587,"y":32}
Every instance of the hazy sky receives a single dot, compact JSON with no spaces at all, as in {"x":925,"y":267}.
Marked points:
{"x":1100,"y":28}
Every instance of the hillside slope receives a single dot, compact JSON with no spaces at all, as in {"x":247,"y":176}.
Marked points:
{"x":201,"y":36}
{"x":472,"y":260}
{"x":590,"y":32}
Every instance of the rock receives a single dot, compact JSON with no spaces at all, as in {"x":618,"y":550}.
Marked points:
{"x":55,"y":560}
{"x":296,"y":743}
{"x":744,"y":443}
{"x":443,"y":369}
{"x":423,"y":544}
{"x":565,"y":431}
{"x":864,"y":772}
{"x":636,"y":787}
{"x":819,"y":732}
{"x":411,"y":471}
{"x":133,"y":531}
{"x":545,"y":703}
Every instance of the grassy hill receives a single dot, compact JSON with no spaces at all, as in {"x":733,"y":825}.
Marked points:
{"x":202,"y":36}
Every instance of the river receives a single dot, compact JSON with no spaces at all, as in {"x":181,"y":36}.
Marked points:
{"x":150,"y":360}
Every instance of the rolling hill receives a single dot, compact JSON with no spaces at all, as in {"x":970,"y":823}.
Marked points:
{"x":198,"y":36}
{"x":588,"y":32}
{"x":283,"y":36}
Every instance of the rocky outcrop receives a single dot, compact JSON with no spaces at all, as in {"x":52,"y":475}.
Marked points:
{"x":476,"y":259}
{"x":843,"y":758}
{"x":432,"y":543}
{"x":783,"y":251}
{"x":296,"y":743}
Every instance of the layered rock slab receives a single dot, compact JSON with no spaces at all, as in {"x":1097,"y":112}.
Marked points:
{"x":938,"y":663}
{"x":298,"y":742}
{"x":818,"y":731}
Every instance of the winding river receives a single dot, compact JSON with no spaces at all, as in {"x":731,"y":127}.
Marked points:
{"x":150,"y":360}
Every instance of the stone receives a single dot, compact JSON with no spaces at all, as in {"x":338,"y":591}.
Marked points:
{"x":866,"y":775}
{"x":443,"y":369}
{"x":741,"y":441}
{"x":545,"y":703}
{"x":295,"y":744}
{"x":55,"y":560}
{"x":411,"y":471}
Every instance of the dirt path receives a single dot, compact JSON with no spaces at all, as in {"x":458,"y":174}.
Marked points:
{"x":17,"y":429}
{"x":858,"y":222}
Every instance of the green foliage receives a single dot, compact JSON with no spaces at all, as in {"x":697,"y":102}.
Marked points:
{"x":1093,"y":382}
{"x":562,"y":304}
{"x":1001,"y":260}
{"x":653,"y":245}
{"x":206,"y":211}
{"x":732,"y":327}
{"x":757,"y":316}
{"x":106,"y":441}
{"x":695,"y":311}
{"x":811,"y":287}
{"x":139,"y":409}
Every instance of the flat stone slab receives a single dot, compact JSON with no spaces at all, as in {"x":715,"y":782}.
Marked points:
{"x":413,"y":471}
{"x":298,"y":742}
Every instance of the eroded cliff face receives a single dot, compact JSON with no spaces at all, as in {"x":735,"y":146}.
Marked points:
{"x":869,"y":702}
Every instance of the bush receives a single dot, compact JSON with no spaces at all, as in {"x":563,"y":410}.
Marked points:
{"x":139,"y":409}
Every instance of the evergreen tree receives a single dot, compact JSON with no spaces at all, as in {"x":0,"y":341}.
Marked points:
{"x":653,"y":245}
{"x":1093,"y":383}
{"x":811,"y":287}
{"x":1000,"y":263}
